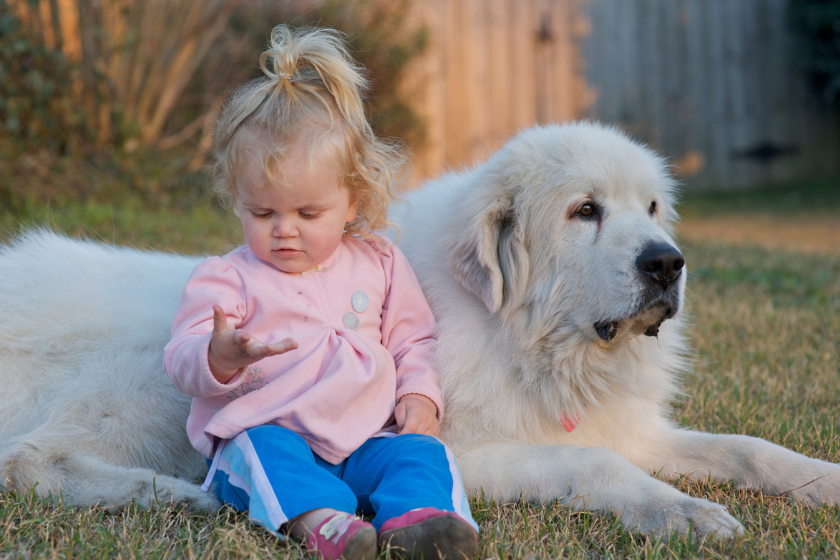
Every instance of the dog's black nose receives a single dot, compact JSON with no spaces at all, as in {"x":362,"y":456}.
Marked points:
{"x":661,"y":262}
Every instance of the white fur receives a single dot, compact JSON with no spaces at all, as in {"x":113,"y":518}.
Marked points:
{"x":87,"y":411}
{"x":517,"y":282}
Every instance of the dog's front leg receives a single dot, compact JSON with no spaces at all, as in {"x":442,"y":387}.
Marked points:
{"x":749,"y":462}
{"x":590,"y":478}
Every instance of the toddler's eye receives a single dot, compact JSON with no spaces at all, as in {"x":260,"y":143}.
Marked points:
{"x":308,"y":215}
{"x":261,"y":215}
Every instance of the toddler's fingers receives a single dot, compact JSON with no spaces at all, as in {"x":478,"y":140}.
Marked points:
{"x":220,"y":324}
{"x":281,"y":347}
{"x":255,"y":349}
{"x":422,"y":428}
{"x":399,"y":416}
{"x":427,"y":425}
{"x":412,"y":425}
{"x":241,"y":338}
{"x":433,"y":429}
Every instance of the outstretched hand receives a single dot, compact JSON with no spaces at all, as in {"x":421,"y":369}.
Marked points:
{"x":416,"y":414}
{"x":232,"y":349}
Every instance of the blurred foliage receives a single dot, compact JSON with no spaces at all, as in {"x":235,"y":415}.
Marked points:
{"x":377,"y":32}
{"x":817,"y":25}
{"x":37,"y":108}
{"x":32,"y":180}
{"x":52,"y":151}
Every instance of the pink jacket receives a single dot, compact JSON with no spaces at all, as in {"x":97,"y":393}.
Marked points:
{"x":365,"y":336}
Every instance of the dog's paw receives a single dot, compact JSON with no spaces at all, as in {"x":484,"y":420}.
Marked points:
{"x":157,"y":492}
{"x":168,"y":490}
{"x":707,"y":517}
{"x":821,"y":487}
{"x":682,"y":514}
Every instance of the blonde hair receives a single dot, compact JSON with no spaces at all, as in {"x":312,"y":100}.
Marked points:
{"x":311,"y":92}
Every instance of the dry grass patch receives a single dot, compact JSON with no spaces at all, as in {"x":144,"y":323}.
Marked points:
{"x":820,"y":235}
{"x":800,"y":217}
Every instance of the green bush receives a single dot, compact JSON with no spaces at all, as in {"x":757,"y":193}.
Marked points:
{"x":376,"y":31}
{"x":37,"y":111}
{"x":50,"y":151}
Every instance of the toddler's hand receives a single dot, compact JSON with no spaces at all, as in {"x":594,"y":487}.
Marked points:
{"x":232,"y":349}
{"x":416,"y":414}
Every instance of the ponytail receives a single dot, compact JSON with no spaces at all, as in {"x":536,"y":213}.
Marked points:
{"x":303,"y":60}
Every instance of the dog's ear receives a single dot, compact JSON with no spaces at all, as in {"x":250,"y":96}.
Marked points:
{"x":490,"y":259}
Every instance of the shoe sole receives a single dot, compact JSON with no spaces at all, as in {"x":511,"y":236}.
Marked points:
{"x":444,"y":537}
{"x":362,"y":546}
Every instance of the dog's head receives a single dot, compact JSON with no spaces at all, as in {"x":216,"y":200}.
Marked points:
{"x":568,"y":242}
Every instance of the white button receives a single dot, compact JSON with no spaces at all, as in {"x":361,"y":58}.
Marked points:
{"x":359,"y":301}
{"x":350,"y":321}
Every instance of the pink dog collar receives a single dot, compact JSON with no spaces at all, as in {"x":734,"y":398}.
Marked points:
{"x":569,"y":421}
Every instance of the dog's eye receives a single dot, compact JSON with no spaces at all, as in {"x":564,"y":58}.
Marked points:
{"x":587,"y":210}
{"x":652,"y":209}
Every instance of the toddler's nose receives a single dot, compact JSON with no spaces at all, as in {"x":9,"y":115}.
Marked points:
{"x":284,"y":228}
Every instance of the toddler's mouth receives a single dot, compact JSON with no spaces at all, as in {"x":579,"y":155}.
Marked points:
{"x":287,"y":252}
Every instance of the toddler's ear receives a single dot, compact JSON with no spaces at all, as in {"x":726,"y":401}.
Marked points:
{"x":354,"y":207}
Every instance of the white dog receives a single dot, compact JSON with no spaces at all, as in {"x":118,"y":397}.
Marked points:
{"x":557,"y":288}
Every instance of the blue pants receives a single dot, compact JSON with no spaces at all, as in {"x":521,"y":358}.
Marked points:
{"x":272,"y":473}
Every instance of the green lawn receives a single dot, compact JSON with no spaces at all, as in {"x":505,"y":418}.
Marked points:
{"x":202,"y":228}
{"x":766,"y":328}
{"x":817,"y":198}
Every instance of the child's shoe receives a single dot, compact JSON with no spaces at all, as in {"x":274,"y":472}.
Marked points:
{"x":344,"y":536}
{"x":430,"y":534}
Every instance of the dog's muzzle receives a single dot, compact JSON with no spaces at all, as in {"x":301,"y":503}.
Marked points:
{"x":660,"y":266}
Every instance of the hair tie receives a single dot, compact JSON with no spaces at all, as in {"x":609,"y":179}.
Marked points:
{"x":282,"y":75}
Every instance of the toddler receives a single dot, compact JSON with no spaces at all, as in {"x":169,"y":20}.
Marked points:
{"x":309,"y":351}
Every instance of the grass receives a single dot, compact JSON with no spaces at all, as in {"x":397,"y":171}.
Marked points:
{"x":766,"y":330}
{"x":818,"y":198}
{"x":203,"y":228}
{"x":800,"y":217}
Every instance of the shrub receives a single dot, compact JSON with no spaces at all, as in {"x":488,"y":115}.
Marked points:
{"x":43,"y":95}
{"x":37,"y":110}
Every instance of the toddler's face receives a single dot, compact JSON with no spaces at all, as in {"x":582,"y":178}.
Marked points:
{"x":297,"y":224}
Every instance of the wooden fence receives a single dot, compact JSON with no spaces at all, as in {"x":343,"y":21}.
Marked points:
{"x":714,"y":85}
{"x":710,"y":83}
{"x":493,"y":67}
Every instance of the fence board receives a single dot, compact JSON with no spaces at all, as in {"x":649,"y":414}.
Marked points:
{"x":716,"y":80}
{"x":501,"y":65}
